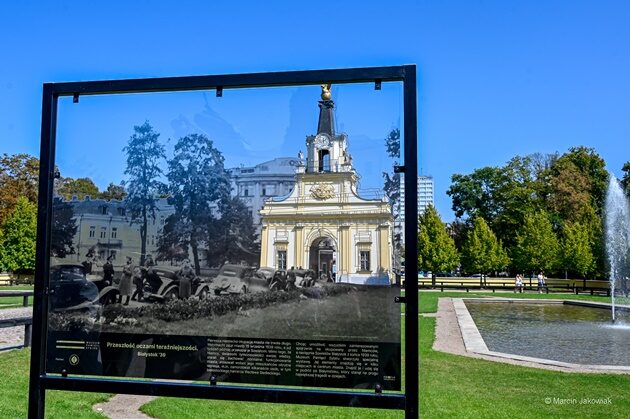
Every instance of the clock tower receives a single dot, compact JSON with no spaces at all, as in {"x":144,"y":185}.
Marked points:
{"x":323,"y":224}
{"x":327,"y":151}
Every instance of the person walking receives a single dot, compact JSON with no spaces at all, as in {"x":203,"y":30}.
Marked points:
{"x":108,"y":271}
{"x":138,"y":281}
{"x":541,"y":282}
{"x":90,"y":261}
{"x":185,"y":276}
{"x":518,"y":284}
{"x":126,"y":281}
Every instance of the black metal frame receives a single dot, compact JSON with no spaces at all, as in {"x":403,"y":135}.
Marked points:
{"x":40,"y":381}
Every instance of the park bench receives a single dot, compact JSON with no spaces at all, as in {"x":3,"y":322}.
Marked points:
{"x":26,"y":321}
{"x":593,"y":290}
{"x":494,"y":284}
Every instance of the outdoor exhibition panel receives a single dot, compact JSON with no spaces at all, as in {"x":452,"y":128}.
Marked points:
{"x":241,"y":236}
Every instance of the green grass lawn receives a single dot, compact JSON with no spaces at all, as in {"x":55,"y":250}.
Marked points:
{"x":59,"y":404}
{"x":14,"y":302}
{"x":451,"y":386}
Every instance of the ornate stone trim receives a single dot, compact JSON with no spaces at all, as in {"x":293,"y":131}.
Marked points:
{"x":322,"y":191}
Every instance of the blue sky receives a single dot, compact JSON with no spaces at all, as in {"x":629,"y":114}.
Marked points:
{"x":496,"y":78}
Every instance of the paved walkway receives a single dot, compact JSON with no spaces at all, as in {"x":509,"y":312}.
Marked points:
{"x":123,"y":406}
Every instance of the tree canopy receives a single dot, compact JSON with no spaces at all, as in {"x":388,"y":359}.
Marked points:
{"x":81,"y":187}
{"x":625,"y":180}
{"x":576,"y":251}
{"x":436,"y":249}
{"x":482,"y":252}
{"x":63,"y":230}
{"x":391,"y":183}
{"x":19,"y":232}
{"x":114,"y":192}
{"x":536,"y":244}
{"x":198,"y":183}
{"x":144,"y":155}
{"x":569,"y":188}
{"x":18,"y":177}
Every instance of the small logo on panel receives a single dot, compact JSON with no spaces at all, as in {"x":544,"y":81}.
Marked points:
{"x":74,"y":359}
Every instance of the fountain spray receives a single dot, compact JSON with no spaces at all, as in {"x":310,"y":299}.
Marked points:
{"x":617,"y":235}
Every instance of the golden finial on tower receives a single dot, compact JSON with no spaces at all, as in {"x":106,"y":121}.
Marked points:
{"x":326,"y":94}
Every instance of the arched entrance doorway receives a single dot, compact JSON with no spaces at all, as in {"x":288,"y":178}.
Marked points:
{"x":322,"y":257}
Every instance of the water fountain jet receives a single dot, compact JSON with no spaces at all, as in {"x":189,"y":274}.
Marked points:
{"x":617,"y":226}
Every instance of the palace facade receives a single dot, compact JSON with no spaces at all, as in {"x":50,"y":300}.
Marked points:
{"x":323,"y":224}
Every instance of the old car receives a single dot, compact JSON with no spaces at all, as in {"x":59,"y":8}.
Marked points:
{"x":70,"y":289}
{"x":293,"y":278}
{"x":238,"y":279}
{"x":265,"y":273}
{"x":161,"y":284}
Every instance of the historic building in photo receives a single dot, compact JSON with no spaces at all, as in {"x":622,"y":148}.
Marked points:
{"x":254,"y":184}
{"x":106,"y":228}
{"x":323,"y":223}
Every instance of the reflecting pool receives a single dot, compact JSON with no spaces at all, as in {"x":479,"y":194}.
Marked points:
{"x":560,"y":332}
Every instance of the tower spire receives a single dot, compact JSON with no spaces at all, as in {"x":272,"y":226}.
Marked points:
{"x":326,"y":123}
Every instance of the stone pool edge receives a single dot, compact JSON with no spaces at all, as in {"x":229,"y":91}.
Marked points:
{"x":475,"y":345}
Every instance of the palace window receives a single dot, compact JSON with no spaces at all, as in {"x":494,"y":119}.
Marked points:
{"x":103,"y":232}
{"x":92,"y":231}
{"x":269,"y":190}
{"x":114,"y":232}
{"x":282,"y":259}
{"x":364,"y":259}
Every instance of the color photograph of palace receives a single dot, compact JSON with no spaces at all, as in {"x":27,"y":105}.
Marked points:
{"x":323,"y":224}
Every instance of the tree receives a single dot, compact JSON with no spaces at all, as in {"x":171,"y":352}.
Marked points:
{"x":19,"y":233}
{"x":391,"y":186}
{"x":536,"y":244}
{"x":63,"y":229}
{"x":198,"y":182}
{"x":114,"y":192}
{"x":500,"y":195}
{"x":170,"y":246}
{"x":233,"y":236}
{"x":625,"y":180}
{"x":144,"y":154}
{"x":436,"y":249}
{"x":476,"y":194}
{"x":577,"y":184}
{"x":81,"y":187}
{"x":458,"y":229}
{"x":593,"y":166}
{"x":576,"y":253}
{"x":482,"y":252}
{"x":19,"y":175}
{"x":569,"y":195}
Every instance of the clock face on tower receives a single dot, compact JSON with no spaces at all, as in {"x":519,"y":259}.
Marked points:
{"x":322,"y":141}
